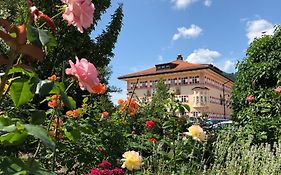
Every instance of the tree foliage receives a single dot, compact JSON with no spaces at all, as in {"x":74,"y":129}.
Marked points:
{"x":258,"y":76}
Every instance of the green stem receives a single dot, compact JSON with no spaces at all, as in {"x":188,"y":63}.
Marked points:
{"x":69,"y":86}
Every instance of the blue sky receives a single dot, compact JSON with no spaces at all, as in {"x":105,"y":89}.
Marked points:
{"x":203,"y":31}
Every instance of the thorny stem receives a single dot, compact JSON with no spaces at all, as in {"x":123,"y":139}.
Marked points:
{"x":52,"y":18}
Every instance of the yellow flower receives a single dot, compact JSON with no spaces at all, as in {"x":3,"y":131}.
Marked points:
{"x":196,"y":132}
{"x":6,"y":87}
{"x":132,"y":160}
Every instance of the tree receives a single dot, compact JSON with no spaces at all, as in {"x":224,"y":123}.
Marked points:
{"x":258,"y":76}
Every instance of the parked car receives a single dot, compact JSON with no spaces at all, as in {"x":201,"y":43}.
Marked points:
{"x":222,"y":124}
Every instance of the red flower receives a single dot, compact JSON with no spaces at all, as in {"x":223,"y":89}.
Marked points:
{"x":95,"y":171}
{"x":152,"y":140}
{"x":149,"y":124}
{"x":278,"y":90}
{"x":104,"y":164}
{"x":250,"y":98}
{"x":118,"y":171}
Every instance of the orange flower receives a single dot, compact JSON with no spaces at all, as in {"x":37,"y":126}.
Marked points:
{"x":76,"y":113}
{"x":152,"y":140}
{"x":57,"y":122}
{"x":105,"y":115}
{"x":130,"y":105}
{"x":52,"y":133}
{"x":55,"y":97}
{"x":69,"y":113}
{"x":99,"y":89}
{"x":52,"y":104}
{"x":120,"y":101}
{"x":53,"y":78}
{"x":54,"y":101}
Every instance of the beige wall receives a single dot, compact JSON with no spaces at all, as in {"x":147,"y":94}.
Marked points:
{"x":213,"y":95}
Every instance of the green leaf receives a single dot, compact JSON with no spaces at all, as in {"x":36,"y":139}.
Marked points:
{"x":52,"y":42}
{"x":9,"y":128}
{"x":38,"y":117}
{"x":73,"y":134}
{"x":186,"y":107}
{"x":33,"y":35}
{"x":19,"y":69}
{"x":5,"y":121}
{"x":40,"y":133}
{"x":20,"y":91}
{"x":43,"y":37}
{"x":68,"y":101}
{"x":13,"y":138}
{"x":44,"y":87}
{"x":16,"y":166}
{"x":58,"y":88}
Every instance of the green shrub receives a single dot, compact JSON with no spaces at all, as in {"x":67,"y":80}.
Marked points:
{"x":258,"y":76}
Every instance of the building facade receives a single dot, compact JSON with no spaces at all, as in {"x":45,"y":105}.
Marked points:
{"x":202,"y":86}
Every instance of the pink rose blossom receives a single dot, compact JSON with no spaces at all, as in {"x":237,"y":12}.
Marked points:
{"x":278,"y":89}
{"x":250,"y":98}
{"x":79,"y":13}
{"x":85,"y":72}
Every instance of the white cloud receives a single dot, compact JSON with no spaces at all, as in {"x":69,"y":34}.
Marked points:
{"x":229,"y":66}
{"x":257,"y":28}
{"x":203,"y":56}
{"x":182,"y":4}
{"x":208,"y":3}
{"x":192,"y":32}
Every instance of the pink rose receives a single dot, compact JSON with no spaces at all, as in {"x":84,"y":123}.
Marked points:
{"x":278,"y":89}
{"x":85,"y":72}
{"x":79,"y":13}
{"x":250,"y":98}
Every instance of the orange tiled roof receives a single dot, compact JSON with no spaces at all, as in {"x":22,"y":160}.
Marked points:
{"x":179,"y":65}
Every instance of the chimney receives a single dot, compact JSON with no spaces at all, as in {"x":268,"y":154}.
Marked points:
{"x":179,"y":57}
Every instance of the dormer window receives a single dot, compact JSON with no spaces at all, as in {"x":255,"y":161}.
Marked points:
{"x":165,"y":66}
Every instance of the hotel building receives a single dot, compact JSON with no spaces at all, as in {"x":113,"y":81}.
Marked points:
{"x":202,"y":86}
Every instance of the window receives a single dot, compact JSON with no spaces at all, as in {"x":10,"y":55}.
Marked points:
{"x":133,"y":84}
{"x":194,"y":80}
{"x":178,"y":92}
{"x":195,"y":114}
{"x":172,"y":81}
{"x":143,"y":84}
{"x":184,"y":98}
{"x":154,"y":83}
{"x":148,"y":93}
